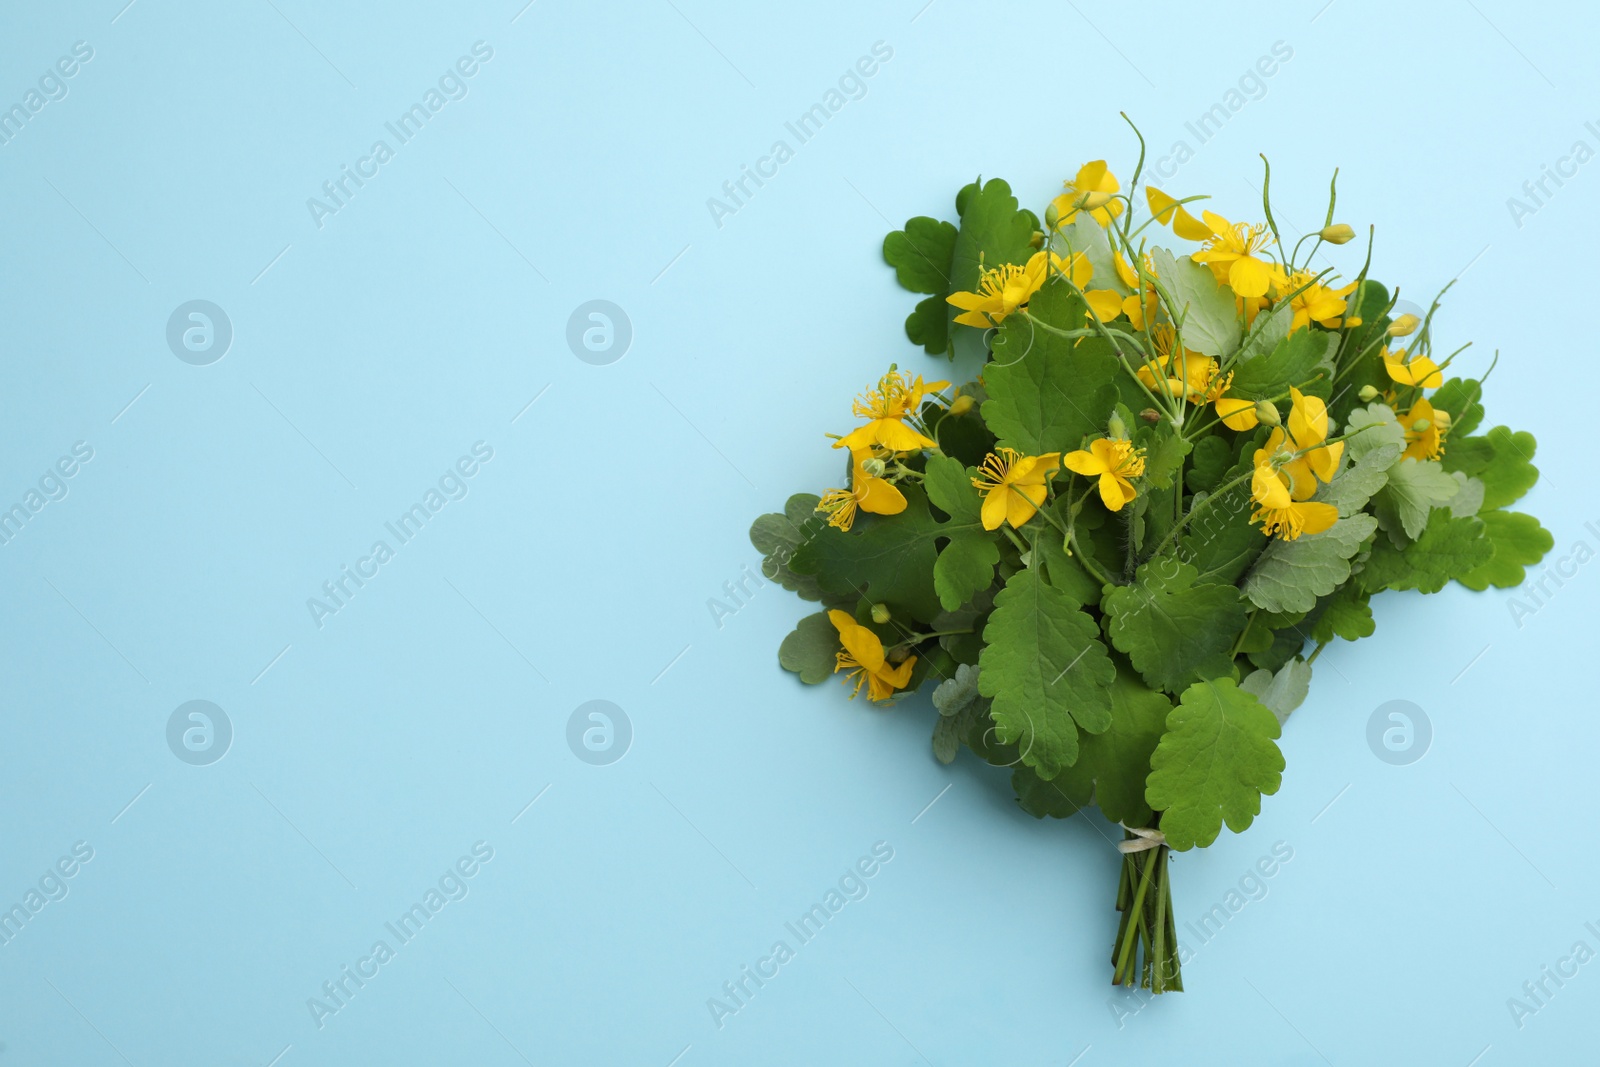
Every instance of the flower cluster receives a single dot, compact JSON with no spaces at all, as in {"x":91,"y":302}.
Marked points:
{"x":1170,"y":470}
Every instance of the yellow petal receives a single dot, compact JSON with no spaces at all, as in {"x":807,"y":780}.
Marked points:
{"x":1308,"y":419}
{"x":880,"y":497}
{"x":896,"y":435}
{"x":1249,"y":277}
{"x":1085,"y":463}
{"x":1105,"y":304}
{"x":1111,"y":491}
{"x":1237,"y":414}
{"x":994,"y":508}
{"x":862,"y":644}
{"x":1268,"y":488}
{"x":1022,"y":502}
{"x":1316,"y":518}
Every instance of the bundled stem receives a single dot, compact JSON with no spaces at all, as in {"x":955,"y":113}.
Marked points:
{"x":1145,"y":952}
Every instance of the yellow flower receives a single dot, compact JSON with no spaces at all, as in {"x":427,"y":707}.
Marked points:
{"x":863,"y":657}
{"x":1004,"y":289}
{"x":1089,"y":191}
{"x":1169,"y":212}
{"x":1199,"y":372}
{"x":867,"y":492}
{"x":1418,"y":370}
{"x":1318,"y":303}
{"x":1139,"y":307}
{"x":1013,"y":485}
{"x":1308,"y":428}
{"x":1277,"y":511}
{"x":1428,"y":442}
{"x":897,"y":397}
{"x":1114,"y":461}
{"x":1231,"y":253}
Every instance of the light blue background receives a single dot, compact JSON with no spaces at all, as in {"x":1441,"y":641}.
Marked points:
{"x":370,"y":353}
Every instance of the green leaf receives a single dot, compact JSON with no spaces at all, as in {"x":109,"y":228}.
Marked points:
{"x":1511,"y":472}
{"x":1468,"y":500}
{"x":888,"y":559}
{"x":1207,"y":464}
{"x":1519,"y":542}
{"x":1346,"y":613}
{"x":993,"y":231}
{"x":1064,"y":571}
{"x":1270,"y":329}
{"x":1283,"y":691}
{"x":778,"y":536}
{"x":1469,"y":455}
{"x":1220,"y":540}
{"x":1210,"y":316}
{"x":1295,"y":361}
{"x":920,"y":255}
{"x":960,"y":708}
{"x":928,"y":325}
{"x":957,"y":692}
{"x":1046,"y":393}
{"x":1056,"y":798}
{"x":1414,"y":488}
{"x":1164,"y":451}
{"x":1448,"y":548}
{"x":1174,"y":630}
{"x":1291,"y":575}
{"x":1046,"y":670}
{"x":1460,"y":397}
{"x":1112,"y":766}
{"x":811,"y":649}
{"x":1375,"y":447}
{"x":1216,"y":759}
{"x":965,"y":566}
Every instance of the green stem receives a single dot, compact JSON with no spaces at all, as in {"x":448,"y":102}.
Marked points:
{"x":1135,"y":909}
{"x":1220,"y":490}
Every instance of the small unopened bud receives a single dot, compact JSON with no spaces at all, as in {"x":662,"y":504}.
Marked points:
{"x":1368,"y":394}
{"x":1441,"y":420}
{"x":1090,"y":201}
{"x":1267,"y":414}
{"x":1337,"y":234}
{"x":1037,"y":240}
{"x":874,"y":467}
{"x":1052,"y":217}
{"x":1116,"y":428}
{"x":1421,"y":426}
{"x":1404,"y":326}
{"x":962,"y":404}
{"x":880,"y":613}
{"x":1150,"y":415}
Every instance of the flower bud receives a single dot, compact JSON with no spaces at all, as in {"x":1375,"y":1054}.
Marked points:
{"x":1267,"y":414}
{"x":1037,"y":240}
{"x":1404,"y":326}
{"x":874,"y":467}
{"x":1116,"y":429}
{"x":880,"y":613}
{"x":1150,"y":415}
{"x":1052,"y":217}
{"x":1421,"y":426}
{"x":1337,"y":234}
{"x":1441,"y":420}
{"x":1368,"y":394}
{"x":962,"y":404}
{"x":1092,"y":200}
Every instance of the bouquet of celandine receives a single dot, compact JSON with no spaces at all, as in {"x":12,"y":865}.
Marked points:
{"x":1175,"y":470}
